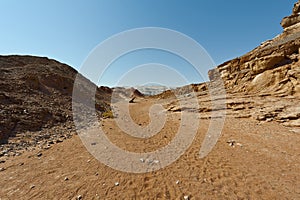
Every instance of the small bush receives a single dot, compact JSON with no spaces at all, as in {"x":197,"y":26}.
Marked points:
{"x":108,"y":114}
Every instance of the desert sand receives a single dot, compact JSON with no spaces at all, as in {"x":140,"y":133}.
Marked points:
{"x":263,"y":163}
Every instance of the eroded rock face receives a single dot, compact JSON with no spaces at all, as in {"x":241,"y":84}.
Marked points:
{"x":268,"y":76}
{"x":273,"y":67}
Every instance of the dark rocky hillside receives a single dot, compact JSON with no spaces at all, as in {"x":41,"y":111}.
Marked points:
{"x":36,"y":94}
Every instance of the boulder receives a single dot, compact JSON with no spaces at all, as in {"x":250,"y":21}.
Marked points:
{"x":293,"y":19}
{"x":289,"y":21}
{"x":265,"y":63}
{"x":296,"y":9}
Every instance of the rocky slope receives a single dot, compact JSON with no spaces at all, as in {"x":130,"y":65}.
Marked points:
{"x":36,"y":97}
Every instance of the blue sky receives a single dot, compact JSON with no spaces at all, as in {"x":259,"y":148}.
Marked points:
{"x":68,"y":30}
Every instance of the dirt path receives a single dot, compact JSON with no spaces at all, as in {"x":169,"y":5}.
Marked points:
{"x":263,"y":163}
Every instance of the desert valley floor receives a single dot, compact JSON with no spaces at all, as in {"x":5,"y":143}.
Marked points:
{"x":263,"y":163}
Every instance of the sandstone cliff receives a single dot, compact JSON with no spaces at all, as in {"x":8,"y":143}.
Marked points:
{"x":272,"y":68}
{"x":263,"y":84}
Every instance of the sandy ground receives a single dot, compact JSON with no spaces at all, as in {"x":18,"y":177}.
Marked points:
{"x":263,"y":163}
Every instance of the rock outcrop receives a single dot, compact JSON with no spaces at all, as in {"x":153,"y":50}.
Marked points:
{"x":263,"y":84}
{"x":272,"y":68}
{"x":267,"y":78}
{"x":293,"y":19}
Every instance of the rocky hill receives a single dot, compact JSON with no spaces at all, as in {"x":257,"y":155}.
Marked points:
{"x":36,"y":96}
{"x":122,"y":93}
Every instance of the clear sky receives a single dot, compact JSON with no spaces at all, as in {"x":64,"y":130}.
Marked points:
{"x":68,"y":30}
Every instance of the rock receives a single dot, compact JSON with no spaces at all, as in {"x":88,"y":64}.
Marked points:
{"x":51,"y":142}
{"x":296,"y":9}
{"x":231,"y":142}
{"x":177,"y":182}
{"x":265,"y":63}
{"x":269,"y":120}
{"x":294,"y":18}
{"x":117,"y":184}
{"x":59,"y":141}
{"x":39,"y":154}
{"x":186,"y":197}
{"x":155,"y":161}
{"x":2,"y":169}
{"x":32,"y":186}
{"x":66,"y":179}
{"x":132,"y":100}
{"x":292,"y":123}
{"x":289,"y":21}
{"x":79,"y":197}
{"x":289,"y":113}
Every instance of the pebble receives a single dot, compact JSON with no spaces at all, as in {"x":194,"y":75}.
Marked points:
{"x":177,"y":182}
{"x":66,"y":178}
{"x":2,"y":169}
{"x":59,"y":141}
{"x":117,"y":184}
{"x":32,"y":186}
{"x":79,"y":197}
{"x":149,"y":161}
{"x":39,"y":154}
{"x":142,"y":160}
{"x":231,"y":143}
{"x":186,"y":197}
{"x":156,"y":161}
